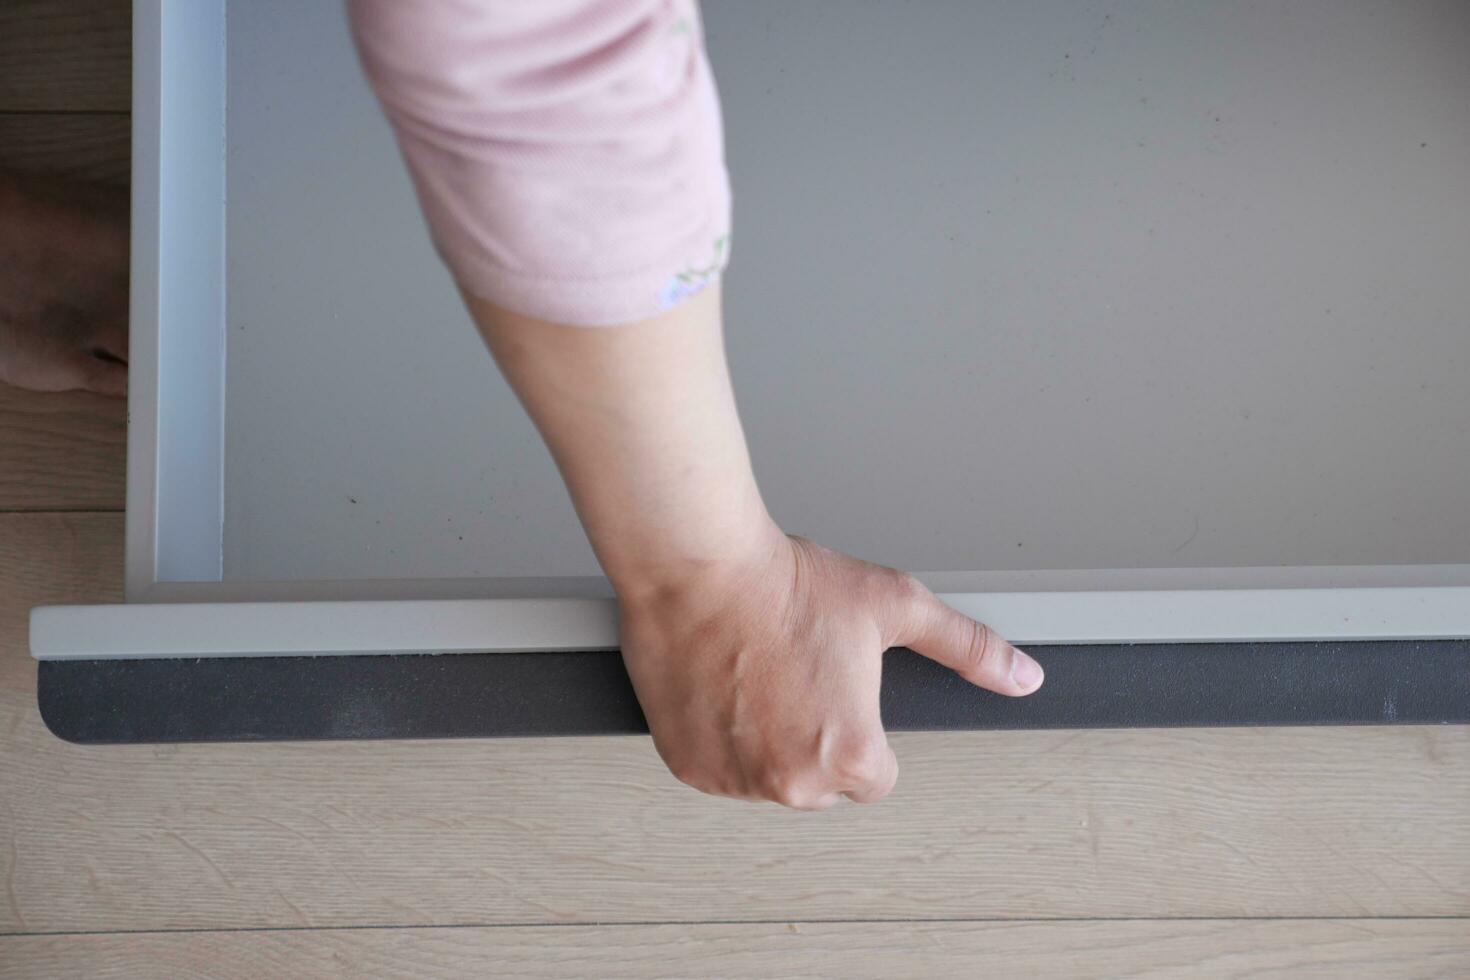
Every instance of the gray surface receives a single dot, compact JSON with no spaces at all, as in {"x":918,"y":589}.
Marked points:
{"x":1015,"y":286}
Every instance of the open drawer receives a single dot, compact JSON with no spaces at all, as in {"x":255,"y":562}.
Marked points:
{"x":1140,"y":333}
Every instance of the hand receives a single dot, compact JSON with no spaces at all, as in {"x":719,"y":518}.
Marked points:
{"x":61,"y":348}
{"x":757,"y":658}
{"x":63,"y":287}
{"x":760,"y":681}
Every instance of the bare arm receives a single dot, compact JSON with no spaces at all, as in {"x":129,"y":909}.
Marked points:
{"x":568,"y":155}
{"x":641,"y":420}
{"x":757,"y":657}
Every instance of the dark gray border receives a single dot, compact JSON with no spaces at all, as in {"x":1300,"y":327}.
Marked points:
{"x":587,"y":693}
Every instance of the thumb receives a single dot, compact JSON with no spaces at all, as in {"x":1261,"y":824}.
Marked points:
{"x":971,"y":649}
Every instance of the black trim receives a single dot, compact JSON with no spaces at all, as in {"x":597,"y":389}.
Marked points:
{"x":586,"y":693}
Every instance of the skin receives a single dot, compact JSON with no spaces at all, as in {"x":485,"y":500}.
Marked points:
{"x":63,"y":286}
{"x":756,"y":656}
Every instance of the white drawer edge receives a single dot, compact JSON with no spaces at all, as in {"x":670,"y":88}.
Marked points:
{"x":529,"y":625}
{"x":177,"y":304}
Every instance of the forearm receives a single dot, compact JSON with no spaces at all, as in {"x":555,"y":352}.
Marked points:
{"x":568,"y":156}
{"x":642,"y":423}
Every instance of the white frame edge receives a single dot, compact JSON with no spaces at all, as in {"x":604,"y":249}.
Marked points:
{"x":177,"y":346}
{"x":528,"y":625}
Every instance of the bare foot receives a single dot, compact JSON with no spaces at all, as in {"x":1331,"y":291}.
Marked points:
{"x":63,"y":285}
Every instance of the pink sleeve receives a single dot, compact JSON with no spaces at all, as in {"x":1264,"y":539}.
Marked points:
{"x":567,"y":153}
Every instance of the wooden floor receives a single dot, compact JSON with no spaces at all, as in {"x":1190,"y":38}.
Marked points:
{"x":1305,"y":852}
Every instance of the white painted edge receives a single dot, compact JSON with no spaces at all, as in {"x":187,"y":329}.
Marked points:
{"x":177,"y":346}
{"x":530,"y":625}
{"x":1040,"y":580}
{"x":142,"y":506}
{"x":320,"y":628}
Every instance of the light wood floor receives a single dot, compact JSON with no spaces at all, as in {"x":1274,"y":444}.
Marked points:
{"x":1294,"y":852}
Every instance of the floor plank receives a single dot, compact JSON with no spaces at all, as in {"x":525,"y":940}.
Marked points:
{"x":1289,"y":822}
{"x":51,"y":558}
{"x":81,"y":145}
{"x":1400,"y":948}
{"x":65,"y":55}
{"x":64,"y":451}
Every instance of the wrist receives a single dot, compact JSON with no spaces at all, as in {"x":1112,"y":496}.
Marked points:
{"x":721,"y":551}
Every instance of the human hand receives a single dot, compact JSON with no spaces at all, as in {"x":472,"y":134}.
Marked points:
{"x":61,"y":348}
{"x":757,"y":658}
{"x":63,"y":286}
{"x":760,"y":678}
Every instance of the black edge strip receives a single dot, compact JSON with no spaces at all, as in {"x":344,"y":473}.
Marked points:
{"x":588,"y":693}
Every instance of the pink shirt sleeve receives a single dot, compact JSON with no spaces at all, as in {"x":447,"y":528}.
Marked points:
{"x":567,"y":153}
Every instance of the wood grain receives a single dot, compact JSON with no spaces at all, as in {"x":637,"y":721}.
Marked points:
{"x":51,"y":558}
{"x":1401,"y":948}
{"x":64,"y":451}
{"x":84,"y":146}
{"x":1288,"y":822}
{"x":60,"y":57}
{"x":65,"y":55}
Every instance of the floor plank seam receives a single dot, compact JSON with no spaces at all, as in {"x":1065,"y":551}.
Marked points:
{"x":58,"y":511}
{"x":65,"y":112}
{"x":645,"y":923}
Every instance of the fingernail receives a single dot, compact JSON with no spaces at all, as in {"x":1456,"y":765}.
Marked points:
{"x":1026,"y":672}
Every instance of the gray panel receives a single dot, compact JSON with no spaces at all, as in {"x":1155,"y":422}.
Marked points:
{"x":1015,"y":286}
{"x":368,"y":432}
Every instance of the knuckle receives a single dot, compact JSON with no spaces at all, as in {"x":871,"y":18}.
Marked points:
{"x":980,"y":647}
{"x":808,"y":801}
{"x":905,"y":600}
{"x":790,"y":790}
{"x":911,"y":588}
{"x":782,"y":791}
{"x":880,"y":793}
{"x":861,"y":760}
{"x":902,"y":586}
